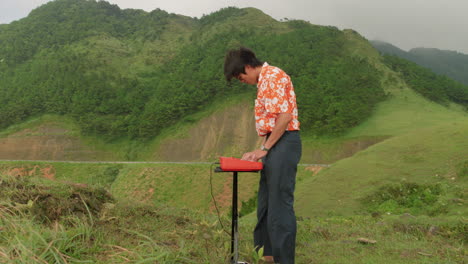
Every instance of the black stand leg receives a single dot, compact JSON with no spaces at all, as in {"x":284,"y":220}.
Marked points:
{"x":234,"y":230}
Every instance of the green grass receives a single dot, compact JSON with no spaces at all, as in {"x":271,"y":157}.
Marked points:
{"x":429,"y":155}
{"x":426,"y":144}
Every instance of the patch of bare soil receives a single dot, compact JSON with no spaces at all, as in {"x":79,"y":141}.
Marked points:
{"x":149,"y":195}
{"x":228,"y":132}
{"x":141,"y":193}
{"x":46,"y":171}
{"x":314,"y":169}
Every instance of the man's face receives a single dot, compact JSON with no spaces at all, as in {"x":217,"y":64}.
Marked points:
{"x":249,"y":77}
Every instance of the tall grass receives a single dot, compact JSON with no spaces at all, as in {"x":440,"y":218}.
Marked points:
{"x":26,"y":241}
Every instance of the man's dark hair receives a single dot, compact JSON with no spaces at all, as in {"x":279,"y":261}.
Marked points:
{"x":237,"y":59}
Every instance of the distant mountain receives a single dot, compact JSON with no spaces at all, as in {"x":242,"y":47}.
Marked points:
{"x":450,"y":63}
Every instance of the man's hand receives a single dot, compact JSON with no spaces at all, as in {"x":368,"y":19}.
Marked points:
{"x":254,"y":155}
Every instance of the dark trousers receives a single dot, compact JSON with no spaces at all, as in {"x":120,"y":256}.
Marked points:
{"x":276,"y":227}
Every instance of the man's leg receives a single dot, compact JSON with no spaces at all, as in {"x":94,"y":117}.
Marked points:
{"x":280,"y":171}
{"x":261,"y":237}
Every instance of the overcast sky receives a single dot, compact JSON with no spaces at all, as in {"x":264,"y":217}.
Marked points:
{"x":441,"y":24}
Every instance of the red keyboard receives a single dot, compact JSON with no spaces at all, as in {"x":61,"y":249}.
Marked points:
{"x":233,"y":164}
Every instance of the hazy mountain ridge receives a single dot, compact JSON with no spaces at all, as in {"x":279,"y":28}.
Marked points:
{"x":450,"y":63}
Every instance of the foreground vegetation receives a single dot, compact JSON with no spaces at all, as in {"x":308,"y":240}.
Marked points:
{"x":66,"y":223}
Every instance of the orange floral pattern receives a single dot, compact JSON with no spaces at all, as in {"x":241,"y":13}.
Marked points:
{"x":275,"y":95}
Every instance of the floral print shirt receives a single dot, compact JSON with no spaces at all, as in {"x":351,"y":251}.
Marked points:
{"x":275,"y":95}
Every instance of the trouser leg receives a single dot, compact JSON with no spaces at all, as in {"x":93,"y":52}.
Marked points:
{"x":261,"y":236}
{"x":281,"y":217}
{"x":275,"y":212}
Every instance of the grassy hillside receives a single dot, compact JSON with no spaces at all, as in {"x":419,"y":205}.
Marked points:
{"x":427,"y":156}
{"x":426,"y":145}
{"x":423,"y":147}
{"x":405,"y":111}
{"x":224,"y":127}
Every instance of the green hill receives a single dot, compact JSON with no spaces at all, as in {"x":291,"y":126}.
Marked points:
{"x":130,"y":74}
{"x":125,"y":81}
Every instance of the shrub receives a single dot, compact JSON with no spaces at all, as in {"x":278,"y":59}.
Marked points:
{"x":407,"y":197}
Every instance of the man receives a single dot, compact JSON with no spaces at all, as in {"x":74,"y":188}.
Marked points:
{"x":276,"y":120}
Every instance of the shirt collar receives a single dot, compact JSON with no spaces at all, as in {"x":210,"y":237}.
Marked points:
{"x":262,"y":73}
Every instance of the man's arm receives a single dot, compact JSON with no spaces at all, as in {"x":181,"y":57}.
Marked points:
{"x":280,"y":127}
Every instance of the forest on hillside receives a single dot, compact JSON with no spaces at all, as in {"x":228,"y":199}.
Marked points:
{"x":131,"y":73}
{"x":437,"y":88}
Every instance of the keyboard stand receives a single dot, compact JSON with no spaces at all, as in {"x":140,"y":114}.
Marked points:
{"x":235,"y":216}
